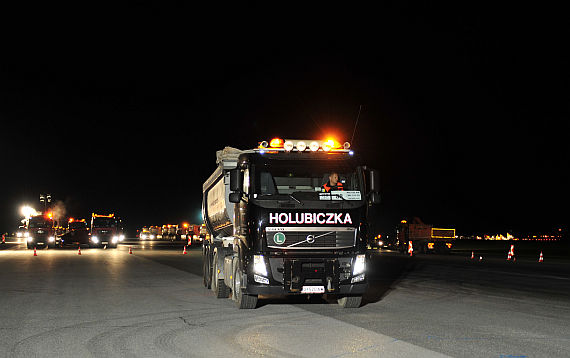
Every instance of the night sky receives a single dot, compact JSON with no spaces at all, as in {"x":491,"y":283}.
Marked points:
{"x":464,"y":109}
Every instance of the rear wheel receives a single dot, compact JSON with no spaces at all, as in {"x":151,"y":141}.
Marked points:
{"x":218,"y":285}
{"x":350,"y":301}
{"x":243,"y":301}
{"x":206,"y":268}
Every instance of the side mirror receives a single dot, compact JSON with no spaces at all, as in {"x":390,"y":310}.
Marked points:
{"x":235,"y":197}
{"x":374,"y":181}
{"x":236,"y":180}
{"x":374,"y":198}
{"x":374,"y":185}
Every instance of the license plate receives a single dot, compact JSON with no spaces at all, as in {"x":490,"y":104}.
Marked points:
{"x":105,"y":242}
{"x":40,"y":243}
{"x":313,"y":289}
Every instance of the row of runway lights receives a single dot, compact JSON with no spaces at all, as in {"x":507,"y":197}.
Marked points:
{"x":105,"y":247}
{"x":510,"y":254}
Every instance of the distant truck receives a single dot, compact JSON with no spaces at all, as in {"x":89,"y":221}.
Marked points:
{"x":40,"y":232}
{"x":273,"y":229}
{"x":145,"y":234}
{"x":170,"y":232}
{"x":425,"y":238}
{"x":76,"y":233}
{"x":106,"y":230}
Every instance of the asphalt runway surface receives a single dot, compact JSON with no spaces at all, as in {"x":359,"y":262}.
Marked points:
{"x":108,"y":303}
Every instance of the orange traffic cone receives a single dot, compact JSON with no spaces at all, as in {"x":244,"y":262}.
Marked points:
{"x":410,"y":249}
{"x":184,"y":253}
{"x":472,"y":255}
{"x":35,"y":253}
{"x":79,"y":250}
{"x":540,"y":258}
{"x":130,"y":251}
{"x":511,"y":252}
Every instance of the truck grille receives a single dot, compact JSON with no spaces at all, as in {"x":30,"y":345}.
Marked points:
{"x":307,"y":238}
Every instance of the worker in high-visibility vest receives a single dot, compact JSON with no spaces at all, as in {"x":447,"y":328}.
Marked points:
{"x":332,"y":184}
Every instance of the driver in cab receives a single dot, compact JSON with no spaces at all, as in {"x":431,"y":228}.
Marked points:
{"x":332,"y":184}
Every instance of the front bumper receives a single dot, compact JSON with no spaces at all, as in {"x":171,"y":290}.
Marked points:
{"x":291,"y":275}
{"x":261,"y":289}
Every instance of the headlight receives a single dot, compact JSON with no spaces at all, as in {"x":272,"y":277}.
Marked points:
{"x":259,"y":265}
{"x":380,"y":243}
{"x":94,"y":239}
{"x":121,"y":237}
{"x":115,"y":239}
{"x":26,"y":234}
{"x":359,"y":265}
{"x":30,"y":239}
{"x":19,"y":234}
{"x":151,"y":237}
{"x":51,"y":239}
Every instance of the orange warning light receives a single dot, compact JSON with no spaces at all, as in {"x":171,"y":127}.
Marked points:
{"x":276,"y":143}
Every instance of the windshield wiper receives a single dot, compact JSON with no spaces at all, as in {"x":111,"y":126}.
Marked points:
{"x":289,"y":195}
{"x":294,"y":198}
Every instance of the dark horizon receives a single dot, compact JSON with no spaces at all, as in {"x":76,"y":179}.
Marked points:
{"x":465,"y":117}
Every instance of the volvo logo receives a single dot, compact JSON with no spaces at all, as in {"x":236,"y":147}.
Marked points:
{"x":310,"y":239}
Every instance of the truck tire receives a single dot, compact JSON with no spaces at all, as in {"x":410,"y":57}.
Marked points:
{"x":218,"y":285}
{"x":243,"y":301}
{"x":206,"y":267}
{"x":350,"y":301}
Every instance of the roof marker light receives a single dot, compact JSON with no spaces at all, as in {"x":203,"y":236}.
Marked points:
{"x":301,"y":146}
{"x":328,"y":145}
{"x":314,"y":146}
{"x":288,"y":146}
{"x":276,"y":143}
{"x":263,"y":144}
{"x":346,"y":145}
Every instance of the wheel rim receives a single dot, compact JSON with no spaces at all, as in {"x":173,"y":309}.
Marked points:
{"x":237,"y":283}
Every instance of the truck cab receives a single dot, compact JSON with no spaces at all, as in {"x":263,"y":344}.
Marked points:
{"x":40,"y":232}
{"x":105,"y":231}
{"x":76,"y":233}
{"x":275,"y":230}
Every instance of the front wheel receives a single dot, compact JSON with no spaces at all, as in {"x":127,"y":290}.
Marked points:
{"x":350,"y":301}
{"x":243,"y":301}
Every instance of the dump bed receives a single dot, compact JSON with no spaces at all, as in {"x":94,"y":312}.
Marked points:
{"x":218,"y":212}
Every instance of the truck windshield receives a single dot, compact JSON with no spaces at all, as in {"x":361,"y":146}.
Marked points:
{"x":39,"y":223}
{"x":305,"y":179}
{"x":103,"y":222}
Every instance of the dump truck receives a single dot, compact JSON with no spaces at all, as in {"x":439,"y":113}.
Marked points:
{"x":273,"y":230}
{"x":424,"y":237}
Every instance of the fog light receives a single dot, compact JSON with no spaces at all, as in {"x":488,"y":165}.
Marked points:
{"x":359,"y":265}
{"x":259,"y":265}
{"x":51,"y":239}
